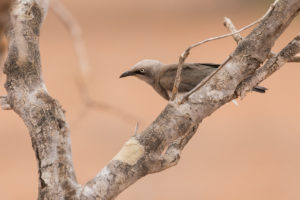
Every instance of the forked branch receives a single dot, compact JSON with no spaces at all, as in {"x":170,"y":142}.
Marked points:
{"x":237,"y":37}
{"x":186,"y":53}
{"x":156,"y":148}
{"x":73,"y":27}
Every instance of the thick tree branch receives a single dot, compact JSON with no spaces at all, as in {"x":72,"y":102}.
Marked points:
{"x":237,"y":37}
{"x":136,"y":157}
{"x":28,"y":97}
{"x":154,"y":149}
{"x":172,"y":155}
{"x":186,"y":53}
{"x":272,"y":65}
{"x":288,"y":54}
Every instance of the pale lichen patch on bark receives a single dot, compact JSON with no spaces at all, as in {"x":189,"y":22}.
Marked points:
{"x":131,"y":152}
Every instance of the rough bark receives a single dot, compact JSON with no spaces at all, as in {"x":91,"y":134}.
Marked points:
{"x":28,"y":97}
{"x":156,"y":148}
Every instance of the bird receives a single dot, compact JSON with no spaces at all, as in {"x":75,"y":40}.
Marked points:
{"x":162,"y":76}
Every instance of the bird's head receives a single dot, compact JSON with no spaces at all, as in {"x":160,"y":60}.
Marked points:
{"x":144,"y":70}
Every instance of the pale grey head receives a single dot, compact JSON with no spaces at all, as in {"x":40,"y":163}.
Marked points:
{"x":145,"y":70}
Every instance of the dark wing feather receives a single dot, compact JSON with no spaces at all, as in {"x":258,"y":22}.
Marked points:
{"x":192,"y":74}
{"x":208,"y":64}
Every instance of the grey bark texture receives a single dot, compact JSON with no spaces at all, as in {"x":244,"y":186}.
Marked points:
{"x":154,"y":149}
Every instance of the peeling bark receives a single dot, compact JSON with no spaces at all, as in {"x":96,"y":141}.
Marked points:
{"x":156,"y":148}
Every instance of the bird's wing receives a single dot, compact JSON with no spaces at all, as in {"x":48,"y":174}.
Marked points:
{"x":192,"y":74}
{"x":213,"y":65}
{"x":163,"y":93}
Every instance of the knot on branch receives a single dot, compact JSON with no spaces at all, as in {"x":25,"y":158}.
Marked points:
{"x":171,"y":156}
{"x":5,"y":105}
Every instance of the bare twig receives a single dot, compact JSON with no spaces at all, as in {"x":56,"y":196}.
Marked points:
{"x":186,"y":53}
{"x":237,"y":37}
{"x":272,"y":65}
{"x":136,"y":129}
{"x":203,"y":82}
{"x":4,"y":103}
{"x":145,"y":152}
{"x":90,"y":103}
{"x":229,"y":25}
{"x":72,"y":25}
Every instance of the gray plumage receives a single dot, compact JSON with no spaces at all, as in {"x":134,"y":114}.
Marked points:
{"x":161,"y":77}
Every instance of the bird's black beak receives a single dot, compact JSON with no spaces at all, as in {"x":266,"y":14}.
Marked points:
{"x":128,"y":73}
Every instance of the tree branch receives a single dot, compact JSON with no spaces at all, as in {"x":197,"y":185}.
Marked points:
{"x":186,"y":53}
{"x":237,"y":37}
{"x":28,"y":97}
{"x":154,"y":149}
{"x":84,"y":67}
{"x":70,"y":22}
{"x":136,"y":157}
{"x":4,"y":104}
{"x":229,"y":25}
{"x":272,"y":65}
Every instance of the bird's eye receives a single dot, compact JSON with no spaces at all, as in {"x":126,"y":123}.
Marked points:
{"x":142,"y":70}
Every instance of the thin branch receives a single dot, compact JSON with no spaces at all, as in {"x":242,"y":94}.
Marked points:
{"x":288,"y":54}
{"x":237,"y":37}
{"x":272,"y":65}
{"x":229,"y":25}
{"x":90,"y":103}
{"x":186,"y":53}
{"x":136,"y":129}
{"x":72,"y":25}
{"x":4,"y":103}
{"x":203,"y":82}
{"x":143,"y":153}
{"x":81,"y":53}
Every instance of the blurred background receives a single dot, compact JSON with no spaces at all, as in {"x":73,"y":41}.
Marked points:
{"x":250,"y":151}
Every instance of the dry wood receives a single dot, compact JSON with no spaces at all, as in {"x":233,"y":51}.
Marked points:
{"x":237,"y":37}
{"x":156,"y":148}
{"x":186,"y":53}
{"x":89,"y":103}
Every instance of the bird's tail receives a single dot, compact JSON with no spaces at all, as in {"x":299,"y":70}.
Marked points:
{"x":260,"y":89}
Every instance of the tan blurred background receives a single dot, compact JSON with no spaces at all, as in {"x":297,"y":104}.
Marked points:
{"x":246,"y":152}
